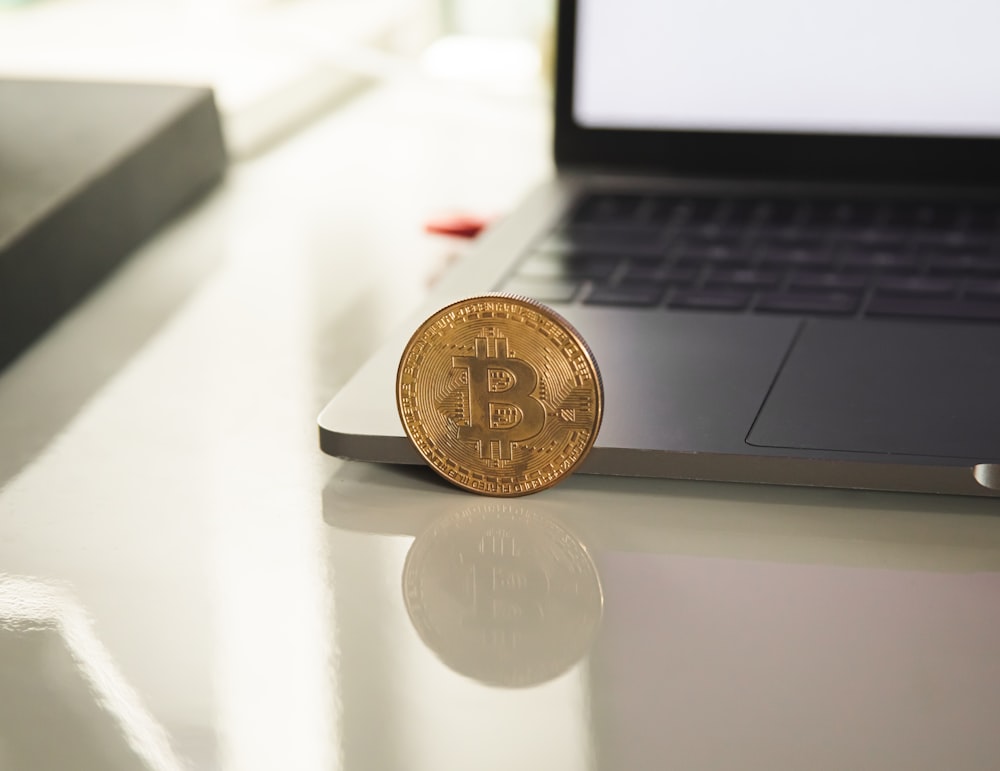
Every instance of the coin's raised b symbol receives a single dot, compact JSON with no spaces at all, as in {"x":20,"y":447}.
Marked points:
{"x":496,"y":424}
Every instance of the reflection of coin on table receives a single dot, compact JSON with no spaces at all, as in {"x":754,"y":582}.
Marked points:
{"x":503,"y":595}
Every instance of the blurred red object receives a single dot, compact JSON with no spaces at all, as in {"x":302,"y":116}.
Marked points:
{"x":457,"y":225}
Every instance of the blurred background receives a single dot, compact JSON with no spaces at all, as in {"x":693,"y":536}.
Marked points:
{"x":276,"y":64}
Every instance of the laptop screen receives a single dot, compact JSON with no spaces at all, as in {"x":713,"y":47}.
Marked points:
{"x":876,"y":67}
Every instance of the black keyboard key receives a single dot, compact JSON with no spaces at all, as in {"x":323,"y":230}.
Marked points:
{"x":778,"y":234}
{"x":964,"y":310}
{"x":659,"y":273}
{"x":856,"y":215}
{"x":543,"y":290}
{"x":932,"y":240}
{"x":808,"y":303}
{"x":983,"y":290}
{"x":640,"y":269}
{"x":958,"y":241}
{"x":734,"y":233}
{"x":851,"y":282}
{"x":699,"y":211}
{"x":794,"y":257}
{"x":709,"y":299}
{"x":743,"y":212}
{"x":782,"y":212}
{"x":680,"y":275}
{"x":984,"y":217}
{"x":921,"y":214}
{"x":879,"y":259}
{"x":964,"y":263}
{"x":877,"y":238}
{"x":608,"y":208}
{"x":746,"y":278}
{"x":717,"y":239}
{"x":645,"y":239}
{"x":571,"y":267}
{"x":916,"y":286}
{"x":988,"y":240}
{"x":829,"y":213}
{"x":817,"y":232}
{"x":628,"y":295}
{"x":663,"y":208}
{"x":721,"y":253}
{"x":793,"y":240}
{"x":697,"y":233}
{"x":962,"y":245}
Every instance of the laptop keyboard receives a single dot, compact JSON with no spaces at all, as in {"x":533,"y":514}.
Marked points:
{"x":822,"y":257}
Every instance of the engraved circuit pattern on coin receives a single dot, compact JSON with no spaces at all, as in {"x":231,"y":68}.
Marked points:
{"x":503,"y":595}
{"x":500,"y":395}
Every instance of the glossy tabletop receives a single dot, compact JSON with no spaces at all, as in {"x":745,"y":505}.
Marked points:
{"x":186,"y":582}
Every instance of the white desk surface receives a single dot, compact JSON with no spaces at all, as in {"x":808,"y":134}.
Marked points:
{"x":186,"y":582}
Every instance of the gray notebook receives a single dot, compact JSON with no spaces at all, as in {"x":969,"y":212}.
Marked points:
{"x":87,"y":172}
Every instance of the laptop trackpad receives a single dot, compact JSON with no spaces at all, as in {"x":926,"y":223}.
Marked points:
{"x":887,"y":387}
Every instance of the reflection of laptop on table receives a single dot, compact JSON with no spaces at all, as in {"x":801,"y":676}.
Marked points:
{"x":779,"y":230}
{"x":732,"y":632}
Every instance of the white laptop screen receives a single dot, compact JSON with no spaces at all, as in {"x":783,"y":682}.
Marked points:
{"x":884,"y":67}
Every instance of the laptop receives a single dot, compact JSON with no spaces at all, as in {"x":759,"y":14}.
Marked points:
{"x":778,"y":228}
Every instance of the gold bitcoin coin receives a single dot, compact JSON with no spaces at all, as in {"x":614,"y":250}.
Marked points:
{"x":500,"y":395}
